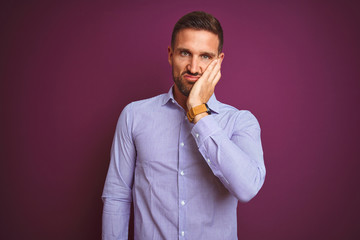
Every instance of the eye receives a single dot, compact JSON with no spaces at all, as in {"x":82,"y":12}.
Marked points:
{"x":184,"y":53}
{"x":206,"y":57}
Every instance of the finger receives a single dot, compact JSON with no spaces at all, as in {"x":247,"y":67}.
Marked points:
{"x":214,"y":72}
{"x":209,"y":69}
{"x":212,"y":64}
{"x":217,"y":78}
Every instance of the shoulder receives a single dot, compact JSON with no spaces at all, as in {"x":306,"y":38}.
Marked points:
{"x":242,"y":118}
{"x":227,"y":109}
{"x":137,"y":110}
{"x":141,"y":110}
{"x":144,"y":104}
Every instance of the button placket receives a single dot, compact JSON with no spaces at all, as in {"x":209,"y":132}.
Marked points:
{"x":181,"y":178}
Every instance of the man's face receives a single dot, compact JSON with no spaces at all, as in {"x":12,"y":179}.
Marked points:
{"x":193,"y":51}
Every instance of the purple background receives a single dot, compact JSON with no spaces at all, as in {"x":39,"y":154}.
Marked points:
{"x":69,"y":68}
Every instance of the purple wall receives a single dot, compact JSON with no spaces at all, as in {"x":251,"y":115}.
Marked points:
{"x":68,"y":69}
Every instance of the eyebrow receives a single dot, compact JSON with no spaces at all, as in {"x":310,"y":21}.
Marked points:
{"x":201,"y":53}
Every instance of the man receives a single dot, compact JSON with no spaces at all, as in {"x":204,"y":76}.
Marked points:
{"x":183,"y":158}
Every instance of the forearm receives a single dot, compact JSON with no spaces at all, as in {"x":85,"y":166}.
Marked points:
{"x":115,"y":219}
{"x":236,"y":160}
{"x":117,"y":201}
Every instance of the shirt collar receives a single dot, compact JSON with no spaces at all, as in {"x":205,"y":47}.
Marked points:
{"x":168,"y":97}
{"x":213,"y":103}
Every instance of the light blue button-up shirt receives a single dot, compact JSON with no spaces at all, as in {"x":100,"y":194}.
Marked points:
{"x":184,"y":180}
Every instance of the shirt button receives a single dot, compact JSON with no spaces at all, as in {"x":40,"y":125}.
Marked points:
{"x":182,"y":173}
{"x":208,"y":160}
{"x":197,"y":135}
{"x":183,"y":202}
{"x":182,"y":233}
{"x":173,"y":101}
{"x":182,"y":144}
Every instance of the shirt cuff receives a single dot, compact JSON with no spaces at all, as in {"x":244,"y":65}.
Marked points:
{"x":204,"y":128}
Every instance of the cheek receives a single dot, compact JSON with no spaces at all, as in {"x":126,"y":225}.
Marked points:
{"x":179,"y":65}
{"x":204,"y":64}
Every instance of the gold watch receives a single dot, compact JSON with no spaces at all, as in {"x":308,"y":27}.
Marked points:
{"x":197,"y":110}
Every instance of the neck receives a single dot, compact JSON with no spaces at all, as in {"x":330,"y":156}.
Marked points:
{"x":180,"y":98}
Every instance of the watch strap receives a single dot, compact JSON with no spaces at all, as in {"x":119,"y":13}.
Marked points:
{"x":197,"y":110}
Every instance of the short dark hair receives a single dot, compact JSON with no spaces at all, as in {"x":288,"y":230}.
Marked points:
{"x":199,"y":20}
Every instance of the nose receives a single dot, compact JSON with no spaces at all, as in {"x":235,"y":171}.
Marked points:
{"x":194,"y":65}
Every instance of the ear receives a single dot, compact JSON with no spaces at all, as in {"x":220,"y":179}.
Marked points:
{"x":221,"y":57}
{"x":170,"y":55}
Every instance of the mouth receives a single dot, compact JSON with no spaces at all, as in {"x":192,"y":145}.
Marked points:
{"x":191,"y":78}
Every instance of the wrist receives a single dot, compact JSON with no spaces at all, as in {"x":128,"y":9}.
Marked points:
{"x":198,"y":112}
{"x":199,"y":116}
{"x":193,"y":104}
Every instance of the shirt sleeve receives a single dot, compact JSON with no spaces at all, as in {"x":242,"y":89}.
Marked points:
{"x":236,"y":160}
{"x":116,"y":195}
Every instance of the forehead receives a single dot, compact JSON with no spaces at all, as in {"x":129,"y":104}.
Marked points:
{"x":197,"y":40}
